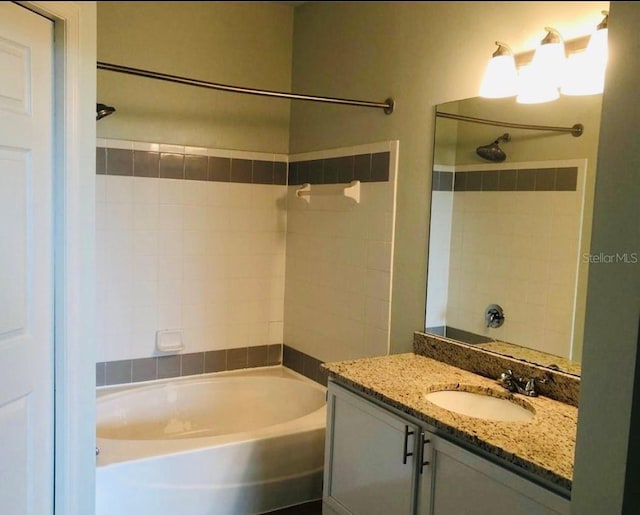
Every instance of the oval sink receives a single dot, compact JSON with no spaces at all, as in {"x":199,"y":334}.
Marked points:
{"x":479,"y":405}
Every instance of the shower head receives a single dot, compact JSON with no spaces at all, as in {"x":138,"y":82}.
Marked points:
{"x":492,"y":151}
{"x":103,"y":110}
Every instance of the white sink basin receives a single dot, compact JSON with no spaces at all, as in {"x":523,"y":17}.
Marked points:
{"x":479,"y":405}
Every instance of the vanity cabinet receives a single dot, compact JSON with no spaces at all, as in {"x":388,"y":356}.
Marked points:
{"x":378,"y":462}
{"x":463,"y":482}
{"x":369,"y":458}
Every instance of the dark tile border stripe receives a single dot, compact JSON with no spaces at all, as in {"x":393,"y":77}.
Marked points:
{"x":442,"y":181}
{"x":373,"y":167}
{"x":529,"y":179}
{"x":110,"y":373}
{"x":166,"y":165}
{"x":304,"y":364}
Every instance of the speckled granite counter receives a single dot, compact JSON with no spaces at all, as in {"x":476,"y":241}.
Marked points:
{"x":533,"y":356}
{"x":543,"y":446}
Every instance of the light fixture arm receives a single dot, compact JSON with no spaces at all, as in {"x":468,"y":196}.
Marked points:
{"x":604,"y":24}
{"x":553,"y":36}
{"x":503,"y":49}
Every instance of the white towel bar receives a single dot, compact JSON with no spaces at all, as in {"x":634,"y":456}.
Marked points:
{"x":352,"y":191}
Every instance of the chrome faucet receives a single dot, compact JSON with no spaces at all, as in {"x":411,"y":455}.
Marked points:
{"x":519,"y":385}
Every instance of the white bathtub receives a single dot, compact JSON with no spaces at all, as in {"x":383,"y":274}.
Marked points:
{"x":231,"y":443}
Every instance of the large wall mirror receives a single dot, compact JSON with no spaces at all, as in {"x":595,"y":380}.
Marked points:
{"x":512,"y":197}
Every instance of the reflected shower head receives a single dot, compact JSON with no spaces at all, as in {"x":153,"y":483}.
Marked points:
{"x":103,"y":110}
{"x":492,"y":151}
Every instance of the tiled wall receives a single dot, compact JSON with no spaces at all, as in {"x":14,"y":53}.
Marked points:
{"x":515,"y":241}
{"x":339,"y":253}
{"x":188,"y":239}
{"x":193,"y":239}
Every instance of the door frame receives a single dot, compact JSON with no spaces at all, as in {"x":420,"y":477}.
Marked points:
{"x":74,"y":251}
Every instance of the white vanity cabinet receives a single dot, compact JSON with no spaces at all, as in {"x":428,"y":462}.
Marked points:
{"x":463,"y":482}
{"x":370,"y":454}
{"x":378,"y":462}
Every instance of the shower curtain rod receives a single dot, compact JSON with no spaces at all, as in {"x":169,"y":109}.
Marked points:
{"x":387,"y":105}
{"x":576,"y":130}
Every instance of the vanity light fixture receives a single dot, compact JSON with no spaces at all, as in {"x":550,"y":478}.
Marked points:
{"x":586,"y":69}
{"x":539,"y":82}
{"x":501,"y":76}
{"x":573,"y":67}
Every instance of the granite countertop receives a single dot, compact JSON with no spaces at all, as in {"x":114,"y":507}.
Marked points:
{"x":543,"y":446}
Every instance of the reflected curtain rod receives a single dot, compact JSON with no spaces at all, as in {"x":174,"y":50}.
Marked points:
{"x":388,"y":105}
{"x":575,"y":131}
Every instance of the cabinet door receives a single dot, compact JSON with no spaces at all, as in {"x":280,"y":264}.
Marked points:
{"x":466,"y":483}
{"x":369,"y":458}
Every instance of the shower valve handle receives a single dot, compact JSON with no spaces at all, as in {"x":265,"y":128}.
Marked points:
{"x":494,"y":316}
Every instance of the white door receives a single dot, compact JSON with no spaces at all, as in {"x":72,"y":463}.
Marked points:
{"x":26,"y":262}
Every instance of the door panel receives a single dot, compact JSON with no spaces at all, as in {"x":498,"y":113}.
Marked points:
{"x":371,"y":468}
{"x":26,"y":262}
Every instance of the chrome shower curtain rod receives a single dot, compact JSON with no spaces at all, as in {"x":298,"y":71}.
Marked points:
{"x":576,"y":130}
{"x":387,"y":105}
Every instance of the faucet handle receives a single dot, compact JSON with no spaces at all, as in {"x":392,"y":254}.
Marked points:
{"x":508,"y":381}
{"x":530,"y":388}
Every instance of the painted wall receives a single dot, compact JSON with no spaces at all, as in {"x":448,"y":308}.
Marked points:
{"x":244,"y":44}
{"x":607,"y":467}
{"x":372,"y":50}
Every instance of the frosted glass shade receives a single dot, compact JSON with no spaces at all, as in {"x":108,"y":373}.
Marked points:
{"x":549,"y":63}
{"x":500,"y":79}
{"x":586,"y":70}
{"x":598,"y":47}
{"x":533,"y":88}
{"x":539,"y":82}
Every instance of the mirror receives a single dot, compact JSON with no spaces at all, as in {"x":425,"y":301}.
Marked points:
{"x":510,"y":226}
